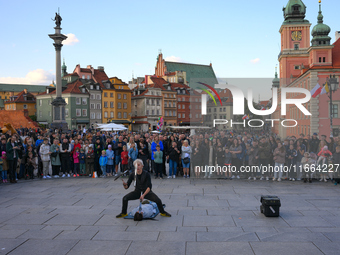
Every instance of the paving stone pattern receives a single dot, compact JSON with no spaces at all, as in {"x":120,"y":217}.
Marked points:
{"x":77,"y":216}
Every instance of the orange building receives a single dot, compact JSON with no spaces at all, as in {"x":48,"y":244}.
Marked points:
{"x":22,"y":101}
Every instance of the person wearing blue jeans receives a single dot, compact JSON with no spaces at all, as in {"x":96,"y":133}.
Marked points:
{"x":174,"y":153}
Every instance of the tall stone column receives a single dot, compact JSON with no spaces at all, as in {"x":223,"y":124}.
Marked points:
{"x":59,"y":102}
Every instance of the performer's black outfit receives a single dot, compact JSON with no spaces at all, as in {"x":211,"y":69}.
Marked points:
{"x":143,"y":181}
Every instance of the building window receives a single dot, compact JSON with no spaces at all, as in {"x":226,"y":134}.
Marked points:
{"x":40,"y":114}
{"x":111,"y":94}
{"x":147,"y":101}
{"x":88,"y":77}
{"x":105,"y":94}
{"x":179,"y":99}
{"x":49,"y":102}
{"x":49,"y":113}
{"x":197,"y":116}
{"x":99,"y":97}
{"x":158,"y":102}
{"x":166,"y":113}
{"x":296,"y":67}
{"x":183,"y":106}
{"x":84,"y":101}
{"x":92,"y":96}
{"x":179,"y":106}
{"x":335,"y":110}
{"x":174,"y":104}
{"x":99,"y":106}
{"x":214,"y":109}
{"x":119,"y":96}
{"x":147,"y":112}
{"x":125,"y":115}
{"x":83,"y":77}
{"x":170,"y":113}
{"x":111,"y":114}
{"x":152,"y":112}
{"x":78,"y":100}
{"x":152,"y":101}
{"x":190,"y":115}
{"x":25,"y":106}
{"x":183,"y":115}
{"x":324,"y":59}
{"x":40,"y":102}
{"x":92,"y":106}
{"x":105,"y":104}
{"x":296,"y":46}
{"x":119,"y":115}
{"x":174,"y":113}
{"x":84,"y":112}
{"x":165,"y":95}
{"x":319,"y":59}
{"x":165,"y":104}
{"x":83,"y":90}
{"x":99,"y":115}
{"x":78,"y":112}
{"x":119,"y":105}
{"x":124,"y":96}
{"x":105,"y":114}
{"x":91,"y":86}
{"x":98,"y":89}
{"x":111,"y":105}
{"x":93,"y":116}
{"x":66,"y":112}
{"x":125,"y":105}
{"x":224,"y":109}
{"x":179,"y":115}
{"x":170,"y":104}
{"x":157,"y":112}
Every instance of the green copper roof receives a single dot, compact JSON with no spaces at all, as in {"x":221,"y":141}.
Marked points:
{"x":194,"y":73}
{"x":320,"y":31}
{"x":21,"y":87}
{"x":295,"y":12}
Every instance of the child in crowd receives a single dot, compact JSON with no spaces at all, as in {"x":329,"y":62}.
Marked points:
{"x":323,"y":162}
{"x":227,"y":162}
{"x":82,"y":162}
{"x":307,"y":165}
{"x":125,"y":159}
{"x":158,"y":160}
{"x":45,"y":157}
{"x":76,"y":162}
{"x":30,"y":165}
{"x":90,"y":161}
{"x":103,"y":163}
{"x":4,"y":167}
{"x":110,"y":161}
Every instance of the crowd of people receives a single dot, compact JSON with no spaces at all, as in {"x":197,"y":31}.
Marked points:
{"x":45,"y":153}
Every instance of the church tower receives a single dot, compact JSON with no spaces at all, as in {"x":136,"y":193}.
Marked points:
{"x":295,"y":41}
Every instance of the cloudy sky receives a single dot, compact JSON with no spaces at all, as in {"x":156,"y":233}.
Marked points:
{"x":240,"y":40}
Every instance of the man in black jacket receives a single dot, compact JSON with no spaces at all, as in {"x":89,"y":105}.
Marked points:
{"x":314,"y":144}
{"x":143,"y":186}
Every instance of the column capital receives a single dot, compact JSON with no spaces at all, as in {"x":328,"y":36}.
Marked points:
{"x":57,"y":46}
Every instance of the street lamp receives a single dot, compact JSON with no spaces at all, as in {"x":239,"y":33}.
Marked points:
{"x":334,"y":84}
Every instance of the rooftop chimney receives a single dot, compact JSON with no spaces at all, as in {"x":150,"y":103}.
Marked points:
{"x":25,"y":91}
{"x":101,"y":68}
{"x":89,"y":66}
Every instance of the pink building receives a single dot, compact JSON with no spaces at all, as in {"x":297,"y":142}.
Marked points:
{"x":304,"y":65}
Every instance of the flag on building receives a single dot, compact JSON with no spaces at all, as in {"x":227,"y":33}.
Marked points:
{"x":325,"y":89}
{"x":316,"y":90}
{"x":245,"y":117}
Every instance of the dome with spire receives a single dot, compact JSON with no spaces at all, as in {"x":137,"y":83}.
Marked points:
{"x":295,"y":12}
{"x":320,"y":31}
{"x":276,"y":80}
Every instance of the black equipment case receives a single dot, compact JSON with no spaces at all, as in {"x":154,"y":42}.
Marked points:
{"x":270,"y":206}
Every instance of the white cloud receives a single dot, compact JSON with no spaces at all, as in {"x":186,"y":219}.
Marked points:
{"x":71,"y":40}
{"x":254,"y":61}
{"x":174,"y":59}
{"x":37,"y":77}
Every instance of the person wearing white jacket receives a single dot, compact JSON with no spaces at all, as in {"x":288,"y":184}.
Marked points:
{"x":45,"y":157}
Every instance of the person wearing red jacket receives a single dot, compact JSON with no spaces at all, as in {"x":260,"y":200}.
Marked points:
{"x":125,"y":159}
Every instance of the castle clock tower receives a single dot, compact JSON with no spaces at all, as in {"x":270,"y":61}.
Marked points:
{"x":295,"y":41}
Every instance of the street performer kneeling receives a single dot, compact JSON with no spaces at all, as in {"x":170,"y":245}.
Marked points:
{"x":142,"y":183}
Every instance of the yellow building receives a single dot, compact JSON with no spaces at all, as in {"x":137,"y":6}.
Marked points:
{"x":116,"y":102}
{"x":22,"y":101}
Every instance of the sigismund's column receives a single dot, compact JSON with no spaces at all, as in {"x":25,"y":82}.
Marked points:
{"x":59,"y":102}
